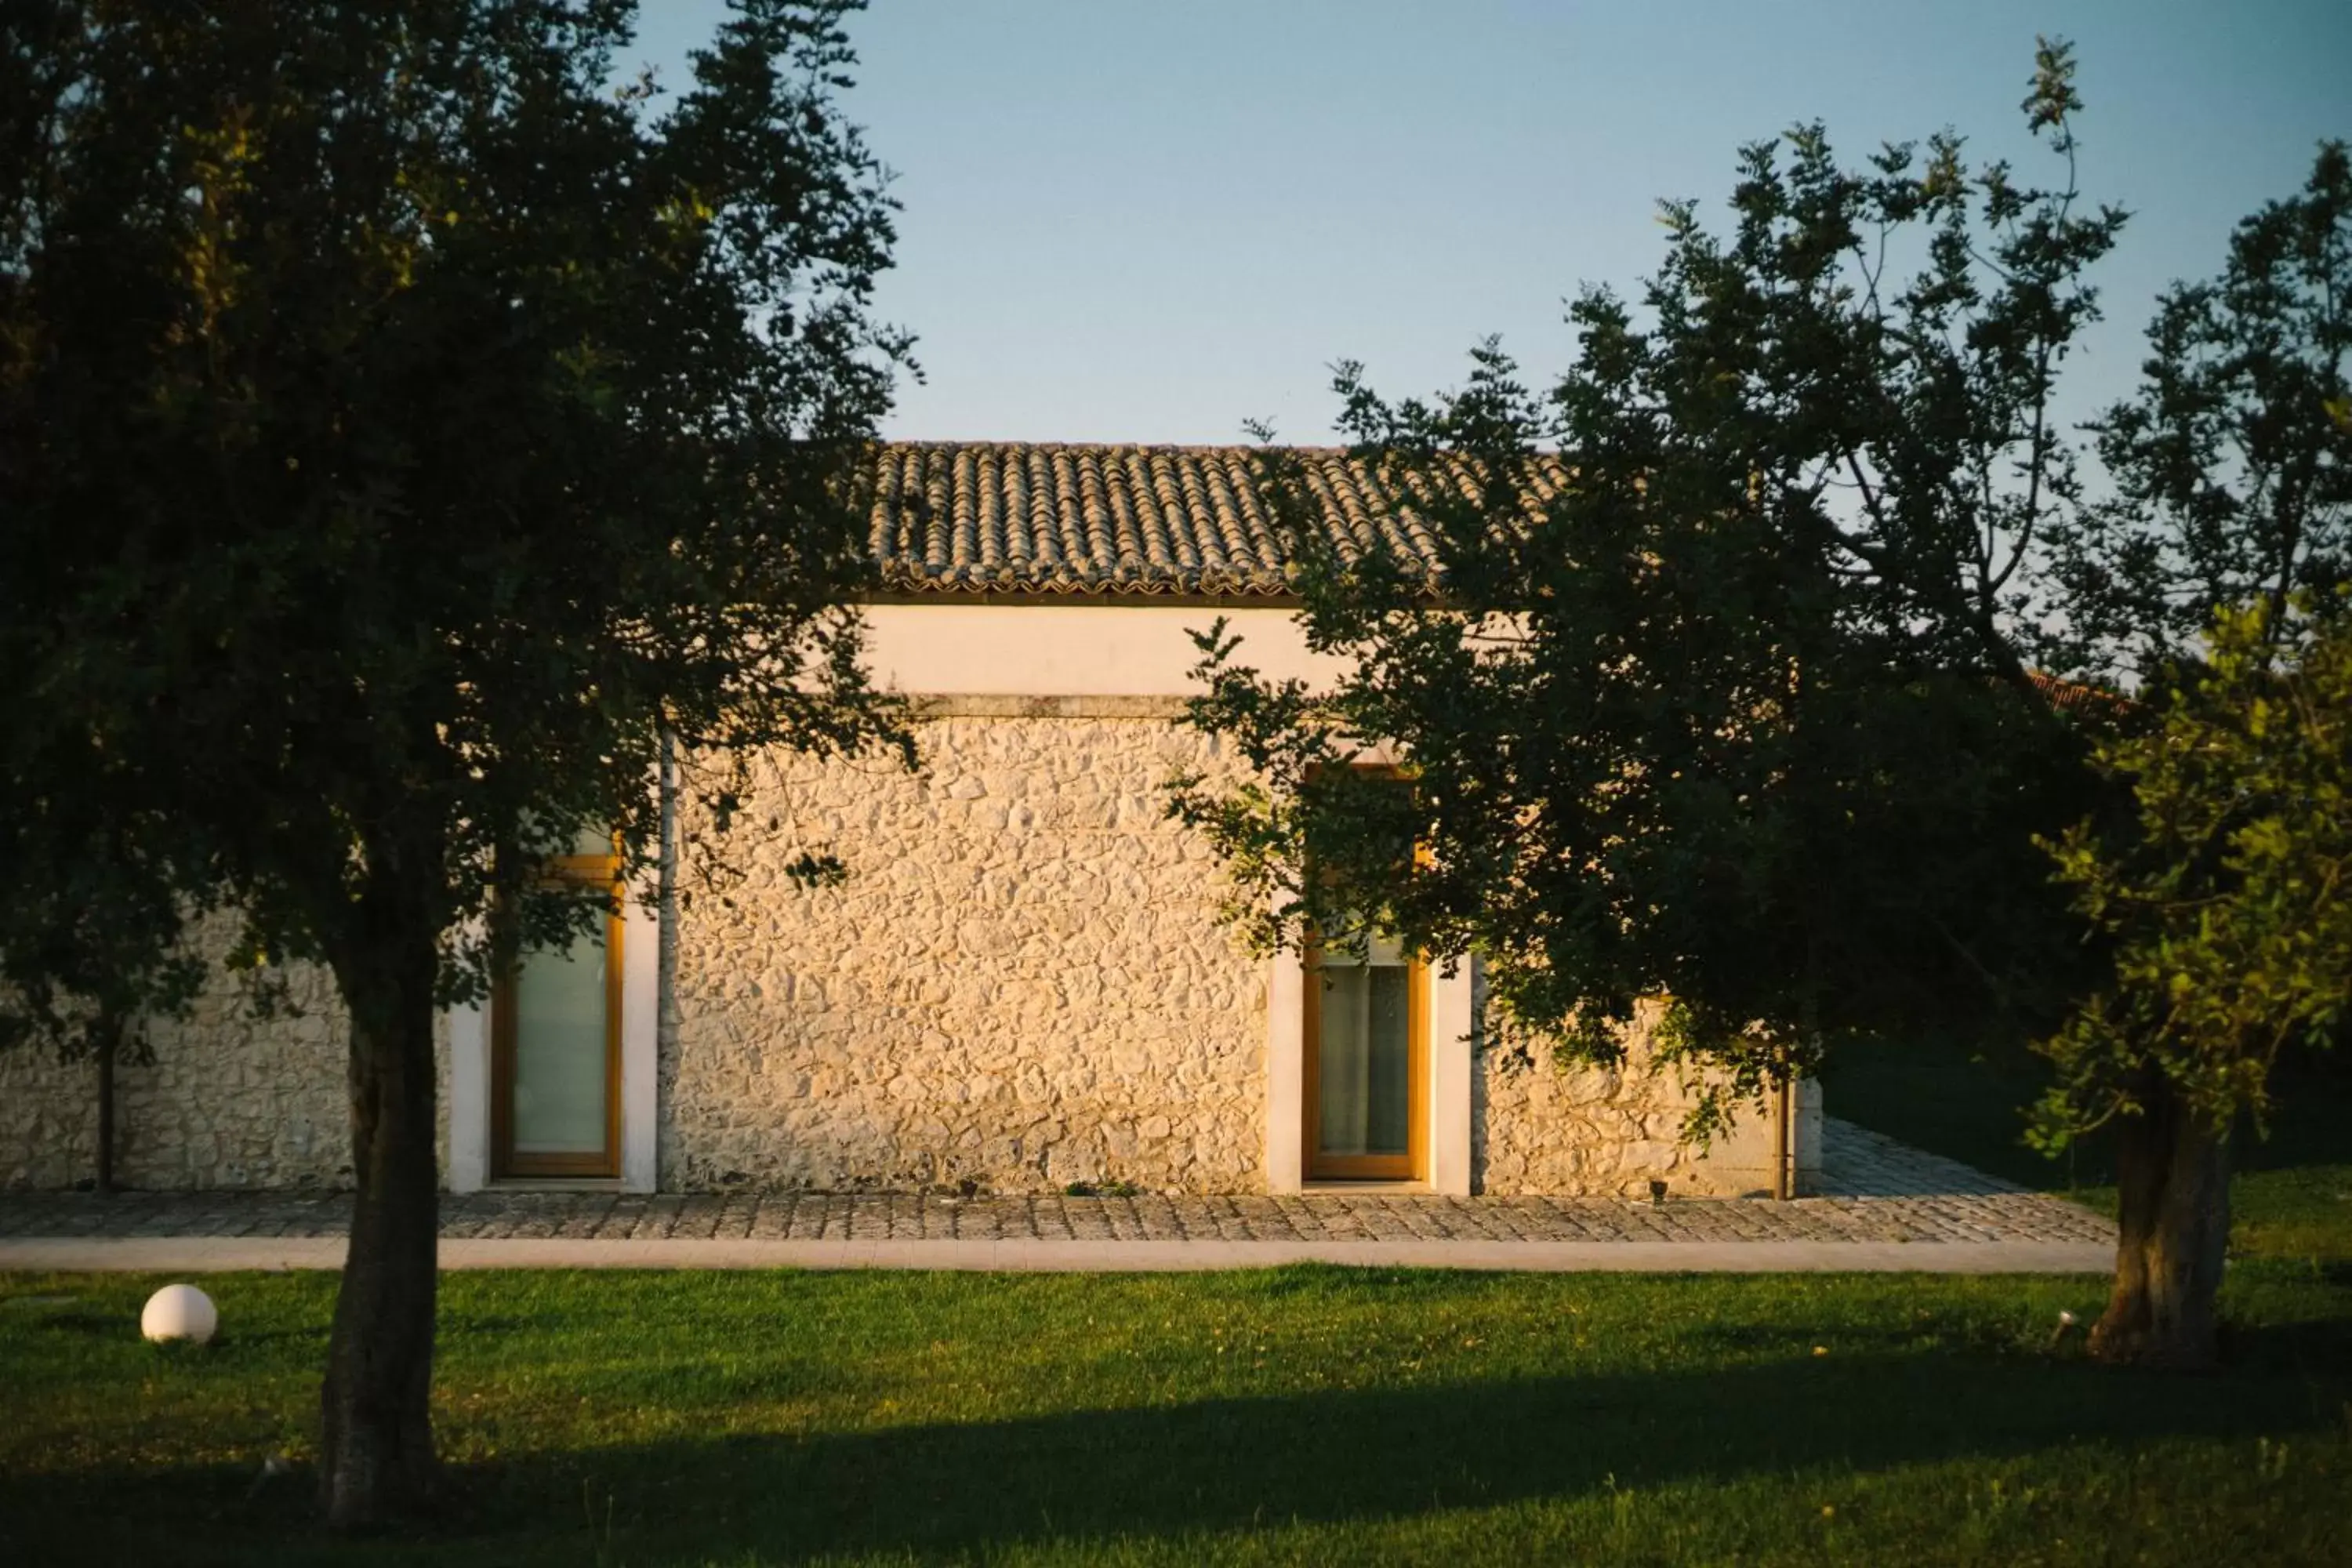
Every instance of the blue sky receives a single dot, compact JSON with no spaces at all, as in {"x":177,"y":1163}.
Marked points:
{"x":1136,"y":221}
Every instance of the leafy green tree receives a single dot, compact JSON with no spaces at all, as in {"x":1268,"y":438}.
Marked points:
{"x":2224,"y":547}
{"x":1717,"y":693}
{"x":403,"y":432}
{"x":2226,"y":896}
{"x":92,"y":944}
{"x":2232,"y":464}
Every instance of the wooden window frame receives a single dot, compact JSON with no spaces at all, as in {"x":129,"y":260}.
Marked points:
{"x":1412,"y":1165}
{"x":506,"y":1162}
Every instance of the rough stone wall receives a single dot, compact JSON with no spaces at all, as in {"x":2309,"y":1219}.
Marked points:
{"x":1536,"y":1127}
{"x":1022,"y":984}
{"x":230,"y":1100}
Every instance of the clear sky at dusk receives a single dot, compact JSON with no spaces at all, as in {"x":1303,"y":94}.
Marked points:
{"x":1128,"y":220}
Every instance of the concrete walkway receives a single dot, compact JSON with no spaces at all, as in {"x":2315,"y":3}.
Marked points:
{"x":1884,"y":1208}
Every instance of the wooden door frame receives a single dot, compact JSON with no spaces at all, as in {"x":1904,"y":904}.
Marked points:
{"x":505,"y":1162}
{"x":1412,"y":1165}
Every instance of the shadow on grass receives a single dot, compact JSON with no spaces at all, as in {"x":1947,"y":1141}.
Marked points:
{"x":1223,"y":1464}
{"x":80,"y":1320}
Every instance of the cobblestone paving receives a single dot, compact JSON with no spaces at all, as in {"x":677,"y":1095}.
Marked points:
{"x":1873,"y":1189}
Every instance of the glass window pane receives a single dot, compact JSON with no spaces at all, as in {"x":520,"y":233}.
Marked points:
{"x":1389,"y":1049}
{"x":560,"y":1049}
{"x":1343,"y":1095}
{"x":1363,"y":1063}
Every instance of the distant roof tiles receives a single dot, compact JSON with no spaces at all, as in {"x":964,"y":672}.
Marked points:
{"x":1013,"y":517}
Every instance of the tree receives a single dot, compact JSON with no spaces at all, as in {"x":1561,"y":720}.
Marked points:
{"x":2227,"y":896}
{"x":2232,"y":465}
{"x":405,"y":431}
{"x":2215,"y":574}
{"x":92,"y":940}
{"x":1716,"y":692}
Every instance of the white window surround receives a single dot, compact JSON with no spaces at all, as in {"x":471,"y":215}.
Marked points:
{"x":1448,"y":1086}
{"x":470,"y":1065}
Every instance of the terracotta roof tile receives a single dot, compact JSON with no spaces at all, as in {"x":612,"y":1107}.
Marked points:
{"x":1011,"y":516}
{"x":2078,"y":697}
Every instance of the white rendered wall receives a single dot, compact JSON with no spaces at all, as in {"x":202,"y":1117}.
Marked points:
{"x":1449,"y":1079}
{"x":640,"y":1050}
{"x":469,"y":1098}
{"x":1285,"y":1075}
{"x":1071,"y":650}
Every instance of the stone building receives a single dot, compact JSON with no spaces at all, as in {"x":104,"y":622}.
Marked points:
{"x":1021,"y":985}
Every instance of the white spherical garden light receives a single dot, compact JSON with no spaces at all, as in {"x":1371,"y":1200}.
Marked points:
{"x":179,"y":1313}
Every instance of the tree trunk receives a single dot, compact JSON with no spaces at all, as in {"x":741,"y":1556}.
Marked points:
{"x":2172,"y":1167}
{"x":375,"y":1449}
{"x":110,"y":1036}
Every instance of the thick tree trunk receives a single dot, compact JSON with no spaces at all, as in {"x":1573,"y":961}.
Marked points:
{"x":2173,"y":1229}
{"x":110,"y":1036}
{"x":375,"y":1449}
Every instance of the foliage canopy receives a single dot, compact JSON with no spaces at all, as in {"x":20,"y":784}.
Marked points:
{"x":1717,"y":693}
{"x":2228,"y":897}
{"x":402,"y":431}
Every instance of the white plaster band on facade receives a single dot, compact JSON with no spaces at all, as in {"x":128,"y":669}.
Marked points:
{"x":1076,"y":650}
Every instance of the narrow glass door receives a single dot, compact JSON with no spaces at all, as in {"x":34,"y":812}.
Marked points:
{"x":560,"y":1099}
{"x":1364,"y":1062}
{"x":556,"y":1042}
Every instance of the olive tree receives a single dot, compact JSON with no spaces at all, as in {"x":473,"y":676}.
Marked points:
{"x":2226,"y":891}
{"x":405,"y":430}
{"x":1715,"y":691}
{"x":2212,"y":573}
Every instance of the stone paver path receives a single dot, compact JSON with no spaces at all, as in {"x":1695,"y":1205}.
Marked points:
{"x":1875,"y":1192}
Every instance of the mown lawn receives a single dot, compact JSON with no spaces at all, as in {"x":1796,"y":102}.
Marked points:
{"x":1312,"y":1414}
{"x":1304,"y":1416}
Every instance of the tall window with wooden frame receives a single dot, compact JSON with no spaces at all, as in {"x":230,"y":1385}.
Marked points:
{"x":1366,"y":1033}
{"x":1367,"y":1038}
{"x":555,"y":1042}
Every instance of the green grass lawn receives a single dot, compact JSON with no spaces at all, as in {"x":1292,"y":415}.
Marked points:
{"x":1299,"y":1415}
{"x":1310,"y":1414}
